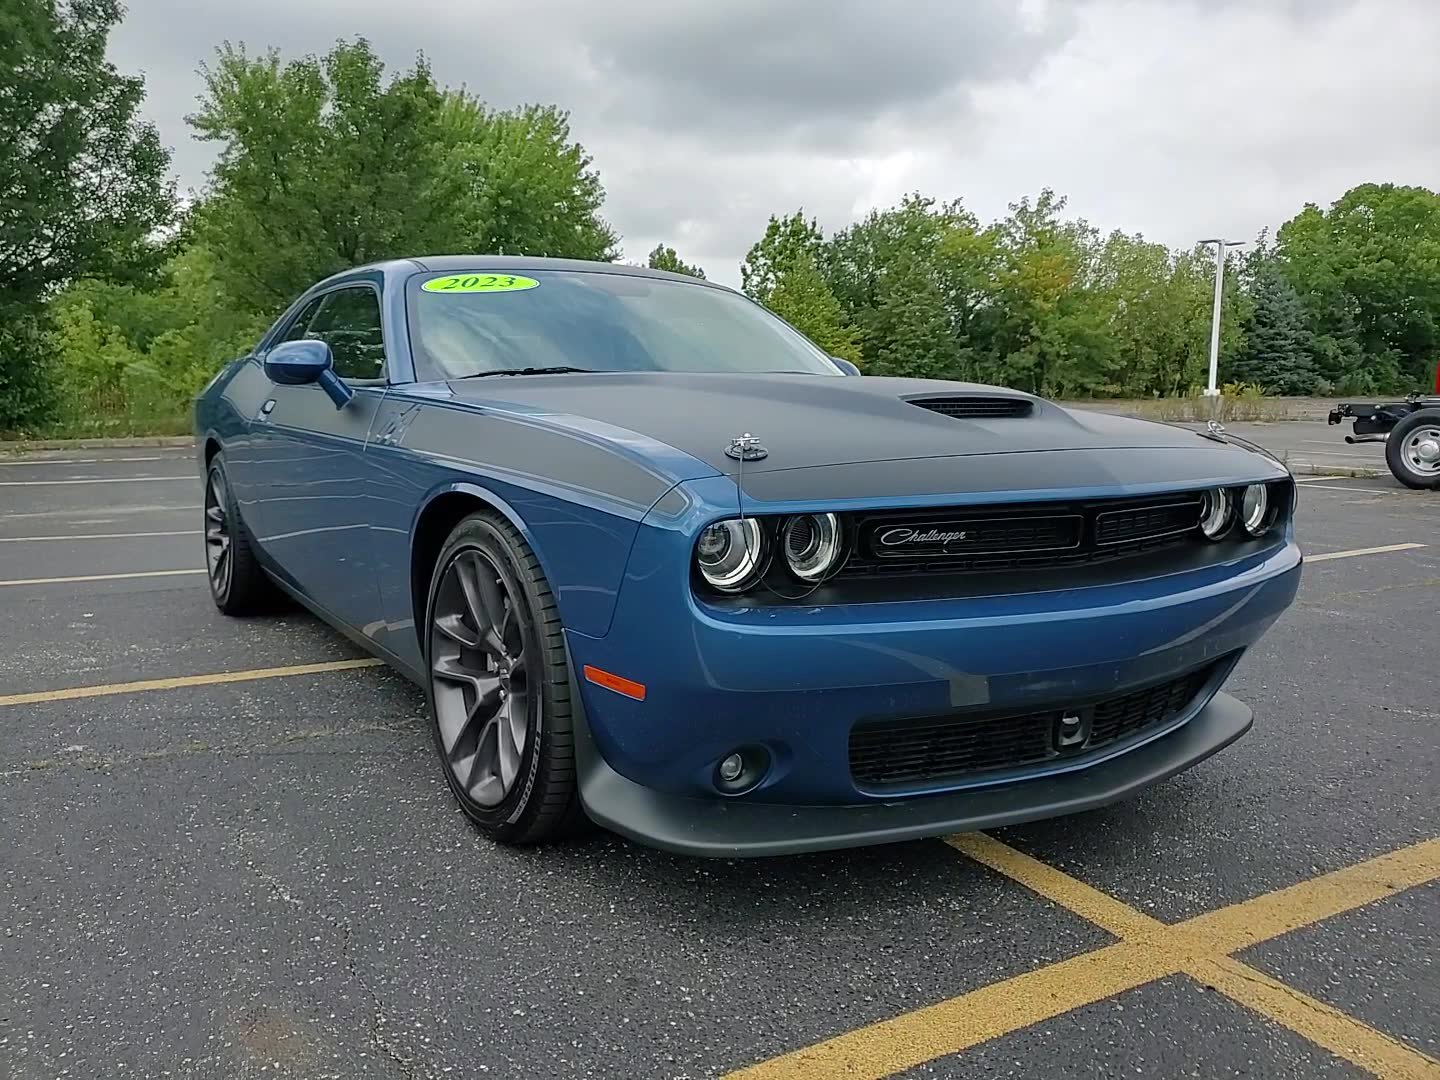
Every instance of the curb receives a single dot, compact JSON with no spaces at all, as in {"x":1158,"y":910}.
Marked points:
{"x":1347,"y":472}
{"x":26,"y":445}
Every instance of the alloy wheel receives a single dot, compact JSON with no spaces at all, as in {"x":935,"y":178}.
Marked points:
{"x":217,"y":532}
{"x":479,"y":675}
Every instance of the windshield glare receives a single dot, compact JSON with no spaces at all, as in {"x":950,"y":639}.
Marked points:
{"x":601,"y":322}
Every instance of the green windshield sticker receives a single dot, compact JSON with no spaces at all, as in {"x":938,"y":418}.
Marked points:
{"x":468,"y":283}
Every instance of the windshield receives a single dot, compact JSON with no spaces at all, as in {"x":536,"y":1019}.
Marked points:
{"x":477,"y":321}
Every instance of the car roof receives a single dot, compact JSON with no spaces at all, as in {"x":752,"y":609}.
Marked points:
{"x":432,"y":263}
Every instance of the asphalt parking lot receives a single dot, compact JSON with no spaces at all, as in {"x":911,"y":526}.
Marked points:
{"x":227,"y":852}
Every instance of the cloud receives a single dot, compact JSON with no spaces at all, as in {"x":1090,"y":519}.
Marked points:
{"x":1172,"y":117}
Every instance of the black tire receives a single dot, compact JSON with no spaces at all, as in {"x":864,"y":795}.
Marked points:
{"x":1403,"y":452}
{"x":476,"y":680}
{"x":237,"y":583}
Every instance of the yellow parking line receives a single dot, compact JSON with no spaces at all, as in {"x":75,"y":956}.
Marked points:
{"x":1102,"y":909}
{"x":1148,"y":950}
{"x":214,"y":679}
{"x":1362,"y":551}
{"x":1343,"y":1035}
{"x":951,"y":1026}
{"x":1239,"y":926}
{"x":96,"y":577}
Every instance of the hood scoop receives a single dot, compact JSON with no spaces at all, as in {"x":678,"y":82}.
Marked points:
{"x":975,"y":407}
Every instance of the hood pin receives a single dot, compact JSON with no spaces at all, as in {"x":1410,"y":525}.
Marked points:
{"x":746,"y":448}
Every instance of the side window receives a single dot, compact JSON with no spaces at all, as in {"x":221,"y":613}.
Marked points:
{"x":302,"y":321}
{"x":350,"y":324}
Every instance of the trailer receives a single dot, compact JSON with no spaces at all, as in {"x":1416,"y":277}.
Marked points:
{"x":1410,"y":430}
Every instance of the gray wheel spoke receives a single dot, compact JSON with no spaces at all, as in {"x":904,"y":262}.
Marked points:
{"x":454,"y":628}
{"x":463,"y":733}
{"x":451,"y":669}
{"x":483,"y":776}
{"x":493,"y":644}
{"x":492,"y":595}
{"x":467,"y":574}
{"x":217,"y":534}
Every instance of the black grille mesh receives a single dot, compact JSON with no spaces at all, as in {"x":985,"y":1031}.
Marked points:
{"x":976,"y":408}
{"x":924,"y":749}
{"x":1023,"y":537}
{"x":1147,"y":522}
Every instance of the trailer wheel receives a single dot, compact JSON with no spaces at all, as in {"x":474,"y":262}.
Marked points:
{"x":1413,"y":450}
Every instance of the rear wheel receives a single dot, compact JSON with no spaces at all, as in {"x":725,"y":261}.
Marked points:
{"x":498,"y":685}
{"x":237,"y":584}
{"x":1413,"y":449}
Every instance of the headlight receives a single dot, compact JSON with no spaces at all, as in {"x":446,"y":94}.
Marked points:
{"x":813,"y":544}
{"x":728,"y":554}
{"x":1215,"y":513}
{"x":1255,"y":509}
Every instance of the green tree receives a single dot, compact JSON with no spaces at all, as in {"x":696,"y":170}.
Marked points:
{"x":1367,"y":271}
{"x":917,"y":269}
{"x":1157,"y":307}
{"x":803,"y":298}
{"x":325,"y":165}
{"x":908,"y":328}
{"x":83,"y":185}
{"x":665,"y":258}
{"x":1277,"y":349}
{"x":786,"y":241}
{"x":126,"y":356}
{"x":530,"y":189}
{"x":1044,"y":329}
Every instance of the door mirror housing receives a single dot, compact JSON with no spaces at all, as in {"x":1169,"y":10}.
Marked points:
{"x":845,"y":365}
{"x":308,"y":360}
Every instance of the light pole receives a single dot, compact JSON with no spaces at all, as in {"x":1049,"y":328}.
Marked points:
{"x":1212,"y":391}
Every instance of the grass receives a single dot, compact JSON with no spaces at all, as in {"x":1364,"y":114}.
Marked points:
{"x":1238,"y":408}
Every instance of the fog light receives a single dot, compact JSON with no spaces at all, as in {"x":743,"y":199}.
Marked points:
{"x":742,"y":770}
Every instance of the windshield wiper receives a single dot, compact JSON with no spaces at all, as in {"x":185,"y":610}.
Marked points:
{"x":562,"y":370}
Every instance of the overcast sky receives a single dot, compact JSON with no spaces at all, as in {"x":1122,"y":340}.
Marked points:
{"x":1180,"y":119}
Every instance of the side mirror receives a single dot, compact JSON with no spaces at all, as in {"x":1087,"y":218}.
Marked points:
{"x":845,"y":365}
{"x":299,"y":363}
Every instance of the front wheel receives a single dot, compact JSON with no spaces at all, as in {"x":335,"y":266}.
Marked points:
{"x":237,"y":583}
{"x":1413,"y":450}
{"x":498,"y":685}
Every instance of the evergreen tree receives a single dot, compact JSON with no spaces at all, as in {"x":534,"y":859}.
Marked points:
{"x":1278,"y":348}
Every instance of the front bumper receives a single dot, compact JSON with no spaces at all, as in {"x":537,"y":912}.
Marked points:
{"x":734,"y":828}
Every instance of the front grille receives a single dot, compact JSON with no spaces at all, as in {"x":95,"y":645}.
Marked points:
{"x":1147,"y":522}
{"x":977,"y":536}
{"x":976,"y":408}
{"x":925,"y":749}
{"x":1023,"y":537}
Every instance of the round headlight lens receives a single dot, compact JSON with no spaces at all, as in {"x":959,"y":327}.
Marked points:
{"x":813,"y":545}
{"x":728,"y":554}
{"x":1215,"y":513}
{"x":1255,"y":510}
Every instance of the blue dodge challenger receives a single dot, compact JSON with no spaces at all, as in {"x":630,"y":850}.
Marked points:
{"x":660,"y":562}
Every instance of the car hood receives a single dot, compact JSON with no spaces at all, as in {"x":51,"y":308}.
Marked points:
{"x":805,"y":421}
